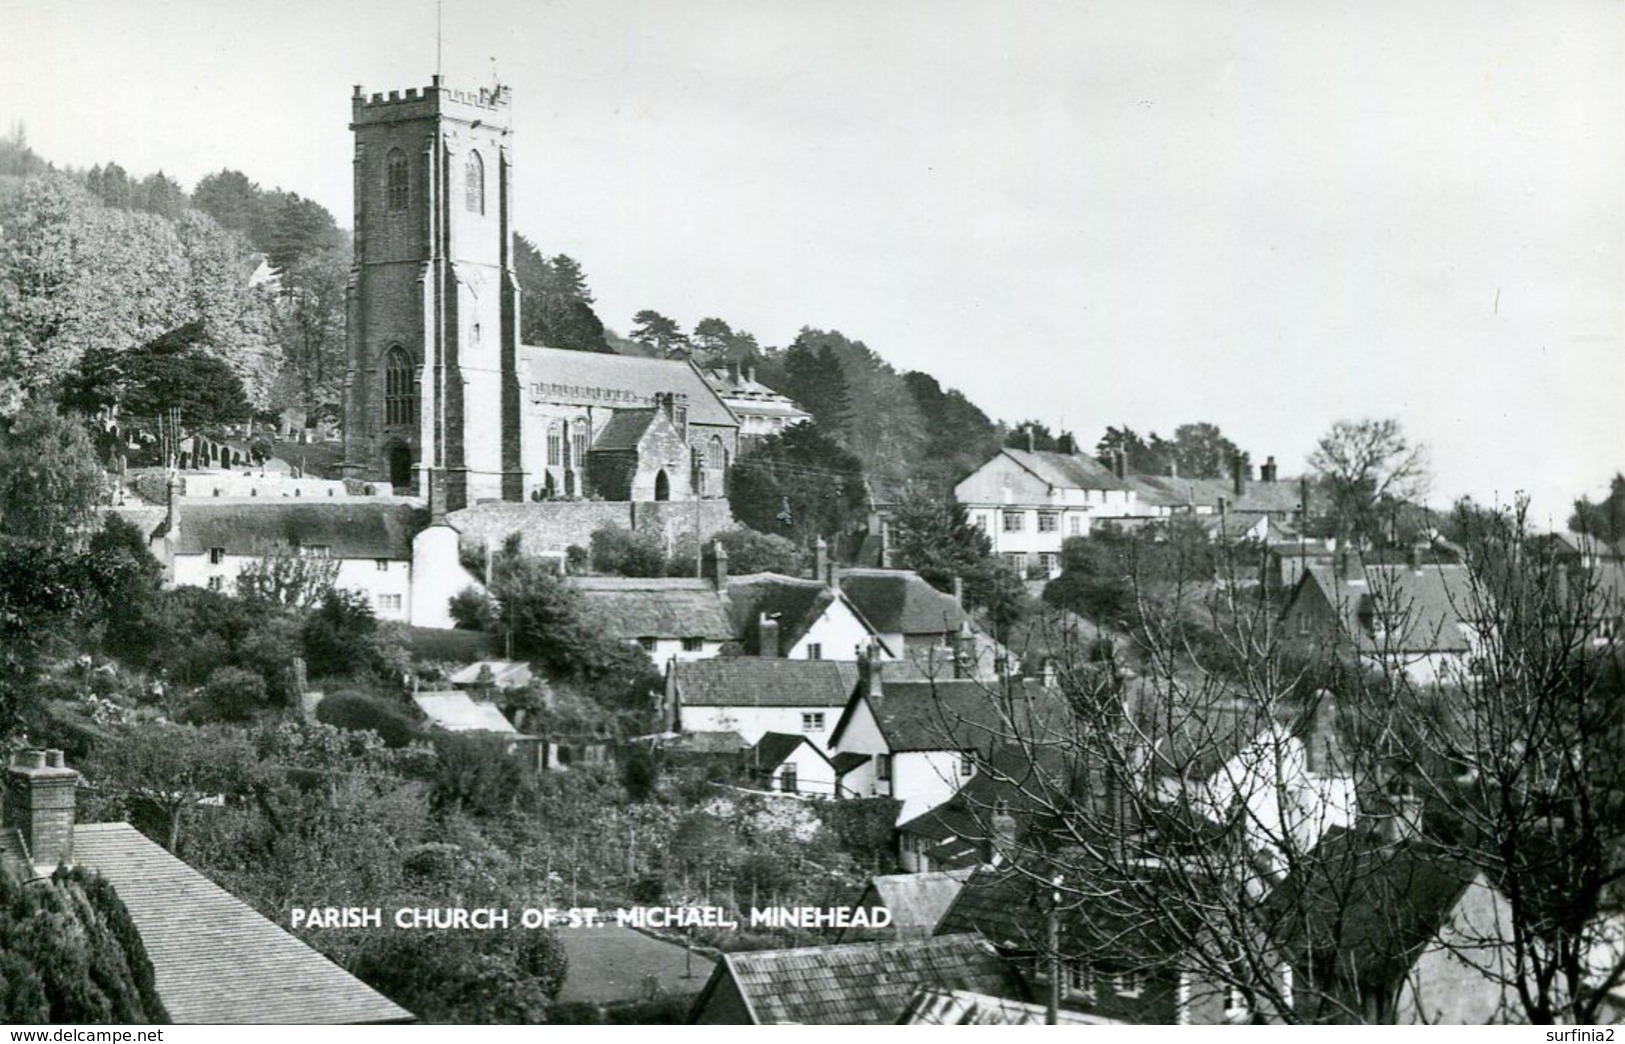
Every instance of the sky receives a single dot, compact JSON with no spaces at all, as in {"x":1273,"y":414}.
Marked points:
{"x":1270,"y":216}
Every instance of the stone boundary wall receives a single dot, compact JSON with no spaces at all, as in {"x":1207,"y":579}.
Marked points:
{"x":552,"y":526}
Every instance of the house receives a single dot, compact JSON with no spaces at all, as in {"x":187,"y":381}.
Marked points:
{"x":848,"y":984}
{"x":215,"y":960}
{"x":917,"y":903}
{"x":1028,"y":501}
{"x":920,"y":741}
{"x":761,"y":410}
{"x":799,"y":619}
{"x":402,"y":557}
{"x":1111,"y":964}
{"x":754,"y":696}
{"x":914,"y":621}
{"x":1391,"y":928}
{"x":1283,"y":501}
{"x":1415,"y":618}
{"x":931,"y":1006}
{"x":670,"y":618}
{"x":790,"y":763}
{"x":969,"y":828}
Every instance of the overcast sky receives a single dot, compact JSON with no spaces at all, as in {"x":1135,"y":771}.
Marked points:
{"x":1265,"y":215}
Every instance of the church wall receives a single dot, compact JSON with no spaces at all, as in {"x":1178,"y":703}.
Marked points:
{"x":553,"y":525}
{"x":662,"y":449}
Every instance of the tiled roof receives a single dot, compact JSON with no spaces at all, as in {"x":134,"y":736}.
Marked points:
{"x":1281,"y":497}
{"x":899,"y":601}
{"x":762,"y":681}
{"x":640,"y":378}
{"x":859,"y":984}
{"x":1066,"y":470}
{"x":458,"y":712}
{"x":660,"y":607}
{"x":624,"y":430}
{"x":963,"y":714}
{"x":937,"y":1007}
{"x":916,"y":901}
{"x":348,"y":528}
{"x":847,"y":760}
{"x":1423,"y":608}
{"x":771,"y":750}
{"x":215,"y":958}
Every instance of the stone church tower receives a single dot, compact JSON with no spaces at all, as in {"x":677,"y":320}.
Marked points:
{"x":432,"y":380}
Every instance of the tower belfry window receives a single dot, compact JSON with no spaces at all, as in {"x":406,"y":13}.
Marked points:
{"x":476,"y":184}
{"x":400,"y":398}
{"x":395,"y":180}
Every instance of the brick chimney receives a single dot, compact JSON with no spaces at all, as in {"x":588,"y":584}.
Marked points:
{"x":39,"y":805}
{"x":715,"y":564}
{"x":437,"y":497}
{"x":767,"y":635}
{"x":821,"y":559}
{"x":1267,"y":472}
{"x":1120,"y":463}
{"x":965,"y":651}
{"x":173,"y":491}
{"x":869,"y":670}
{"x":1238,"y":475}
{"x":959,"y":591}
{"x":1031,"y":444}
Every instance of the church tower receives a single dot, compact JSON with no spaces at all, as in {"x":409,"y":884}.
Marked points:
{"x":432,"y":380}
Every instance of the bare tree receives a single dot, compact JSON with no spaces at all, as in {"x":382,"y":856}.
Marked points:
{"x":289,"y":577}
{"x":1364,"y":467}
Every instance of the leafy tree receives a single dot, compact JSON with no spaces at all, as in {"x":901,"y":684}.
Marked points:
{"x":474,"y":774}
{"x":1202,"y":451}
{"x":753,"y":552}
{"x":50,"y":484}
{"x":359,"y":712}
{"x":555,"y":303}
{"x":798,"y":482}
{"x":174,"y":767}
{"x":338,"y":634}
{"x":231,"y":694}
{"x":299,"y":229}
{"x":160,"y":194}
{"x":1603,"y":521}
{"x":232,"y":200}
{"x":112,"y":185}
{"x":935,"y":538}
{"x":172,"y":372}
{"x":623,"y":552}
{"x":959,"y":437}
{"x":816,"y":379}
{"x":466,"y":976}
{"x":1030,"y":434}
{"x":1146,"y":456}
{"x":659,"y":333}
{"x":310,"y":327}
{"x":1365,"y":468}
{"x":712,"y":337}
{"x":288,"y":579}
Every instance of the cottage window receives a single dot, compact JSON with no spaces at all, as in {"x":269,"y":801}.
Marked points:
{"x":316,"y":551}
{"x":1080,"y":980}
{"x":815,"y":651}
{"x":395,"y":180}
{"x":382,"y":564}
{"x":1015,"y":521}
{"x":647,"y":644}
{"x":400,"y":398}
{"x":216,"y":583}
{"x":1016,"y":560}
{"x":787,"y":779}
{"x":475,"y":184}
{"x":812,"y":721}
{"x":693,"y":644}
{"x":1049,"y":561}
{"x":1074,"y":525}
{"x":1129,"y":983}
{"x":389,"y":603}
{"x":216,"y":555}
{"x":883,"y":766}
{"x":967,"y":765}
{"x":1049,"y":521}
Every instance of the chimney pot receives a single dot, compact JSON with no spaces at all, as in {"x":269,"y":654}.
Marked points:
{"x":959,"y":591}
{"x":820,"y":559}
{"x":54,"y":759}
{"x":767,"y":636}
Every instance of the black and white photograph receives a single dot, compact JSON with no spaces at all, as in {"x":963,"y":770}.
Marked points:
{"x":811,"y":512}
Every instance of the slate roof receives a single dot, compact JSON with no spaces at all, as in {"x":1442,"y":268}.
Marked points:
{"x":774,"y":747}
{"x":657,"y":607}
{"x":899,"y":601}
{"x":1066,"y":470}
{"x":1368,"y":904}
{"x":624,"y":430}
{"x":349,"y":528}
{"x":1425,"y":607}
{"x":458,"y":712}
{"x":759,"y":681}
{"x":916,"y":901}
{"x":847,"y":760}
{"x":216,"y":960}
{"x":1283,"y":496}
{"x":858,"y":984}
{"x":635,"y":376}
{"x":937,"y":1007}
{"x":960,"y":714}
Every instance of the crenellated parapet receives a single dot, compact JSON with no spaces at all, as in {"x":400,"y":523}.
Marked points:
{"x":486,"y":105}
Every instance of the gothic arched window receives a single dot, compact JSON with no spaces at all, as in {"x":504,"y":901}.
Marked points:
{"x":400,"y":397}
{"x":395,"y":180}
{"x":476,"y":184}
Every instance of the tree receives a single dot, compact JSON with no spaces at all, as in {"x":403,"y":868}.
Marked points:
{"x":753,"y":552}
{"x":555,"y":303}
{"x":1202,"y":451}
{"x":298,"y":229}
{"x":172,"y":372}
{"x":286,"y":578}
{"x":338,"y":634}
{"x":1031,"y":434}
{"x":815,"y":378}
{"x":1365,"y":468}
{"x":661,"y":334}
{"x":232,"y":200}
{"x":712,"y":337}
{"x":310,"y":326}
{"x":623,"y":552}
{"x":959,"y":437}
{"x":799,"y":483}
{"x":1603,"y":521}
{"x":175,"y":767}
{"x":934,"y":537}
{"x":1516,"y":762}
{"x":160,"y":194}
{"x":51,"y":486}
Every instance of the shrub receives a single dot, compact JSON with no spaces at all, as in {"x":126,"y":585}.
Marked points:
{"x":338,"y":635}
{"x":231,"y":694}
{"x":473,"y":610}
{"x":625,"y":553}
{"x":360,"y":713}
{"x":474,"y":774}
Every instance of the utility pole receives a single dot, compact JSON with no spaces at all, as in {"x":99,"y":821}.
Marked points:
{"x":1052,"y":1010}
